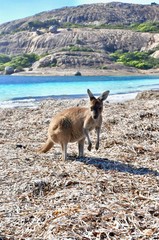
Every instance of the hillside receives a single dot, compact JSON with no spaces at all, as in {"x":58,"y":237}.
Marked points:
{"x":82,"y":36}
{"x":110,"y":13}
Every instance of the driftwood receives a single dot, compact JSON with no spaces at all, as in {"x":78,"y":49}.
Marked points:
{"x":112,"y":195}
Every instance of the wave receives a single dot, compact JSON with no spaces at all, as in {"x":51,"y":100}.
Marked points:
{"x":30,"y":102}
{"x":152,"y":85}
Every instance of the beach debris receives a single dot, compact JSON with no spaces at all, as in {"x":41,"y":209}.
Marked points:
{"x":111,"y":194}
{"x":148,"y":95}
{"x":20,"y":146}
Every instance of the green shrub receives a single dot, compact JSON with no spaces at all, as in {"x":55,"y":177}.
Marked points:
{"x":53,"y":65}
{"x":141,"y":27}
{"x":103,"y":67}
{"x":45,"y":24}
{"x":141,"y":60}
{"x":25,"y":60}
{"x":4,"y":58}
{"x":32,"y":57}
{"x":18,"y":62}
{"x":2,"y":67}
{"x":72,"y":25}
{"x":73,"y":48}
{"x":146,"y":26}
{"x":116,"y":55}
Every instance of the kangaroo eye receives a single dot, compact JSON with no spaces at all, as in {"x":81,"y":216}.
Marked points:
{"x":100,"y":108}
{"x":92,"y":108}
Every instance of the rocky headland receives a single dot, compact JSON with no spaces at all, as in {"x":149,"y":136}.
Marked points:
{"x":80,"y":37}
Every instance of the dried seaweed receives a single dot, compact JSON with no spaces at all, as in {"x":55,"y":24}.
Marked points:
{"x":112,"y":193}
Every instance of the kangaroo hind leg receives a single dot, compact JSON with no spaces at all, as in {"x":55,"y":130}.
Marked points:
{"x":81,"y":147}
{"x":64,"y":151}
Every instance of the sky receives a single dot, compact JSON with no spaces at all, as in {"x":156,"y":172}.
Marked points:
{"x":16,"y":9}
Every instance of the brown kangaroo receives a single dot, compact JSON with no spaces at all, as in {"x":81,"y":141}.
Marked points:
{"x":74,"y":125}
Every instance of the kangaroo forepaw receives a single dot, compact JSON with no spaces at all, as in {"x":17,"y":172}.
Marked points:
{"x":97,"y":146}
{"x":90,"y":146}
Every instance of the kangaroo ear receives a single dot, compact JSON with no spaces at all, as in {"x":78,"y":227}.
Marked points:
{"x":104,"y":96}
{"x":90,"y":94}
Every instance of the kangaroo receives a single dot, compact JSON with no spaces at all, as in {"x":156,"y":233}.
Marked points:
{"x":74,"y":125}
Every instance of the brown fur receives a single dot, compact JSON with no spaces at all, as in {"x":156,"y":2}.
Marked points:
{"x":74,"y":125}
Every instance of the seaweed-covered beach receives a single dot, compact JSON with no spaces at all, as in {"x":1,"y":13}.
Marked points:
{"x":112,"y":193}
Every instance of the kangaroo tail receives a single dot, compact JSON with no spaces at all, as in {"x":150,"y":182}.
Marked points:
{"x":46,"y":147}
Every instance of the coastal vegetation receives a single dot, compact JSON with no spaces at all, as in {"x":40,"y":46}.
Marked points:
{"x":18,"y":62}
{"x":75,"y":48}
{"x":148,"y":26}
{"x":141,"y":60}
{"x":137,"y":59}
{"x":43,"y":24}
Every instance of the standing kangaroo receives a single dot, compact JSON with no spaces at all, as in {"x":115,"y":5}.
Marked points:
{"x":74,"y":125}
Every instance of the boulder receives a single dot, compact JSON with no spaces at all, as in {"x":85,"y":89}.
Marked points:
{"x":8,"y":70}
{"x":155,"y":54}
{"x":78,"y":73}
{"x":46,"y":61}
{"x":53,"y":29}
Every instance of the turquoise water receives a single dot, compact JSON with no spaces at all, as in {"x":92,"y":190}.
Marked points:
{"x":35,"y":87}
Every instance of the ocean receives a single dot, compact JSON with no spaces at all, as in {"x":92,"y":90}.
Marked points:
{"x":28,"y":91}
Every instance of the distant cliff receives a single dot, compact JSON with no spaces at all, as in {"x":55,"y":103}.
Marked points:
{"x":68,"y":45}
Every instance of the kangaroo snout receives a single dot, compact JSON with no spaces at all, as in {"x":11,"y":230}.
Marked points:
{"x":95,"y":116}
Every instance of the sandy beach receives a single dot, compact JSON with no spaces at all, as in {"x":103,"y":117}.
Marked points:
{"x":112,"y":193}
{"x":118,"y":71}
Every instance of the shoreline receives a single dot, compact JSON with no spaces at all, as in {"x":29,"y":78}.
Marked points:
{"x":35,"y":102}
{"x":87,"y":72}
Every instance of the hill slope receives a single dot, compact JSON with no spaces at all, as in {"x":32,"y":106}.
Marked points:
{"x":110,"y":13}
{"x":85,"y":46}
